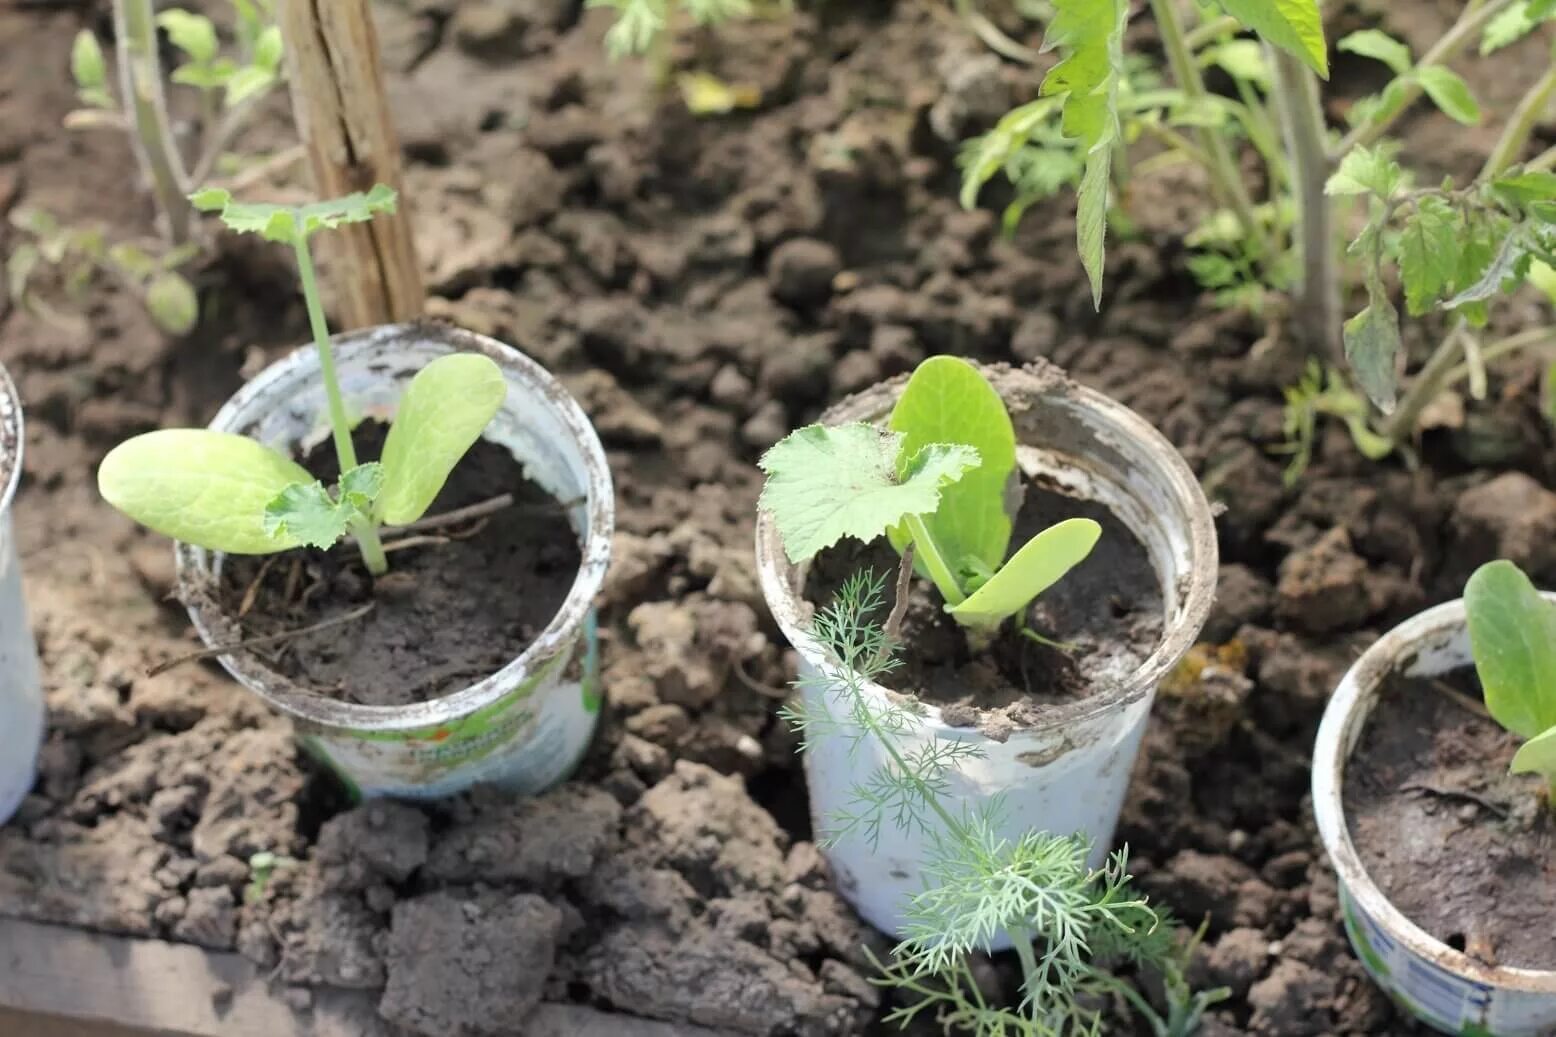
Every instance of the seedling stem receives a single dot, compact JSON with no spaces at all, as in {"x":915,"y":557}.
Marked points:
{"x":340,"y":426}
{"x":950,"y":588}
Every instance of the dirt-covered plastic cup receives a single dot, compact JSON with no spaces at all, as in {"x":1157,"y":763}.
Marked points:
{"x":1068,"y":772}
{"x":1444,"y":988}
{"x":523,"y":728}
{"x":21,"y":686}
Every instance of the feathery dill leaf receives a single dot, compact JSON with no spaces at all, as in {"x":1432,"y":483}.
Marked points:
{"x":1067,"y":921}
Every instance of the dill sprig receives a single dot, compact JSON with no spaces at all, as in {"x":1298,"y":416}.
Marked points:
{"x":1067,"y":922}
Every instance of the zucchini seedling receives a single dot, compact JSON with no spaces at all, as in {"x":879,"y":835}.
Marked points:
{"x":1513,"y":639}
{"x":935,"y":481}
{"x":226,"y":492}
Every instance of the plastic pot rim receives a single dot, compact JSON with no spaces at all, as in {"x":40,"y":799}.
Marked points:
{"x":1339,"y":733}
{"x":10,"y":433}
{"x":595,"y":548}
{"x":791,"y":611}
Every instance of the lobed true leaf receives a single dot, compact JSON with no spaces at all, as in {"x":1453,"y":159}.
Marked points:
{"x":827,"y":482}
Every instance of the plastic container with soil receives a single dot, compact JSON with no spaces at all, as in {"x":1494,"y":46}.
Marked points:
{"x":1059,"y":729}
{"x":1460,"y":931}
{"x":474,"y":660}
{"x":21,"y":688}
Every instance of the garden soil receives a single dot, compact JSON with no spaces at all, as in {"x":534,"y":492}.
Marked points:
{"x":702,"y":285}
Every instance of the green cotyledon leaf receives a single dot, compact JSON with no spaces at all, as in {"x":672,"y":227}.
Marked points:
{"x":1040,"y":563}
{"x":948,"y":401}
{"x":441,"y":415}
{"x":1537,"y":756}
{"x":202,"y":487}
{"x":1513,"y":638}
{"x":827,"y":482}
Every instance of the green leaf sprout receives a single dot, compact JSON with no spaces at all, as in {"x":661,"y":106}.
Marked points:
{"x":1513,"y":639}
{"x":937,"y":482}
{"x":229,"y":493}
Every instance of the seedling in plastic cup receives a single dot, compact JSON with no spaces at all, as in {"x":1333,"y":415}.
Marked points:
{"x":226,"y":492}
{"x":1513,"y":639}
{"x":934,"y":481}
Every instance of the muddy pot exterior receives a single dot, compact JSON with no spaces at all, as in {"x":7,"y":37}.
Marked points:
{"x":21,"y":686}
{"x":523,"y":728}
{"x":1068,"y":772}
{"x":1442,"y":987}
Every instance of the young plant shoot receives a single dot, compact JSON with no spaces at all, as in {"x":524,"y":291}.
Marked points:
{"x":1513,"y":639}
{"x":1067,"y":922}
{"x":229,"y":493}
{"x":936,"y":480}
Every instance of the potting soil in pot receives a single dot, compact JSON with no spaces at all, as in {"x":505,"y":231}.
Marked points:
{"x":1107,"y":612}
{"x":451,"y":611}
{"x":1455,"y":842}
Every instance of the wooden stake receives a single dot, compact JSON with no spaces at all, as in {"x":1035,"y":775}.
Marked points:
{"x":342,"y":116}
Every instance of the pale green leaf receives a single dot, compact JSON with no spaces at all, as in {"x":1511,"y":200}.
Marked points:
{"x":1512,"y":24}
{"x":1372,"y":347}
{"x":948,"y":401}
{"x":1380,"y":46}
{"x":306,"y":514}
{"x":360,"y":486}
{"x":1241,"y":59}
{"x":1523,"y":188}
{"x":1295,"y":26}
{"x":1040,"y":563}
{"x":441,"y":415}
{"x":202,"y":487}
{"x":19,"y":267}
{"x":1537,"y":756}
{"x":1090,"y":35}
{"x":213,"y":76}
{"x":1480,"y":242}
{"x":268,"y":49}
{"x":1428,"y":253}
{"x":1543,"y":277}
{"x":1502,"y":267}
{"x":1450,"y":93}
{"x":828,"y":482}
{"x":133,"y":262}
{"x":1513,"y":638}
{"x":282,"y":222}
{"x":171,"y":301}
{"x":1366,"y":171}
{"x":191,"y":33}
{"x":247,"y":83}
{"x":87,"y":66}
{"x":638,"y":24}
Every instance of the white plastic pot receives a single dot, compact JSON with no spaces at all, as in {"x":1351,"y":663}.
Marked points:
{"x":1440,"y":986}
{"x":524,"y":727}
{"x":21,"y":687}
{"x":1068,"y":772}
